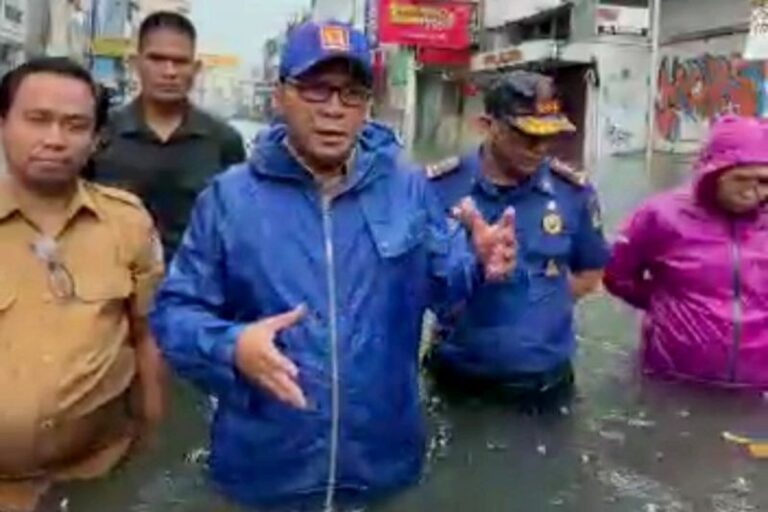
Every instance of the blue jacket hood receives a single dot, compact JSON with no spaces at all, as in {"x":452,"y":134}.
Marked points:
{"x":377,"y":153}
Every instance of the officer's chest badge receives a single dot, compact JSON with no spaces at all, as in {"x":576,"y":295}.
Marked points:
{"x":553,"y":269}
{"x":553,"y":221}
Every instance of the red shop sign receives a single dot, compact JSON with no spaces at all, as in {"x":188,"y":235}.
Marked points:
{"x":425,"y":23}
{"x":443,"y":57}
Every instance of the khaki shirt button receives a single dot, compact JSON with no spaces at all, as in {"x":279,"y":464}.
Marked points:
{"x":47,"y":425}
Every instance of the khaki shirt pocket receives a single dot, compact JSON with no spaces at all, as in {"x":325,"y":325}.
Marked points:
{"x":7,"y":294}
{"x":104,"y":286}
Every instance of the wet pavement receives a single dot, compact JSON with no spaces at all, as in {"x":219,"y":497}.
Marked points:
{"x":623,"y":445}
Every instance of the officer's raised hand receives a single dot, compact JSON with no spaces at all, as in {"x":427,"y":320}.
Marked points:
{"x":259,"y":360}
{"x":495,"y":245}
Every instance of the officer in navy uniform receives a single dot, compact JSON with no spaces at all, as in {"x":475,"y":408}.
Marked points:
{"x":516,"y":339}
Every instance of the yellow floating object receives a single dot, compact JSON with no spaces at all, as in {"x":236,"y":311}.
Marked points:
{"x":759,"y":450}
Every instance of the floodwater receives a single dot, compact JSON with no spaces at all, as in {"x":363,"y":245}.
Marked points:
{"x":623,"y":445}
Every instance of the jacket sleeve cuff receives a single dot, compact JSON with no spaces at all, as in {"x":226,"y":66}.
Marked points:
{"x":225,"y":352}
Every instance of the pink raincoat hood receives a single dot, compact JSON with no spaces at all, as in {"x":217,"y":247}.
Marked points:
{"x":732,"y":141}
{"x":701,"y":276}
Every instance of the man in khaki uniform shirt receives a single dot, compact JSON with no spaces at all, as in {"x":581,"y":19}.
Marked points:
{"x":80,"y":376}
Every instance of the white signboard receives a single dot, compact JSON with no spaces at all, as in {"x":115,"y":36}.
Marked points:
{"x":757,"y":40}
{"x":614,"y":19}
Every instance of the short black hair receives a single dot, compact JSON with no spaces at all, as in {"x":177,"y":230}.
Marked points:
{"x":166,"y":20}
{"x":62,"y":66}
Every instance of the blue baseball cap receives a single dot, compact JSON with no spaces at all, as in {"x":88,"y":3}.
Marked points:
{"x":311,"y":44}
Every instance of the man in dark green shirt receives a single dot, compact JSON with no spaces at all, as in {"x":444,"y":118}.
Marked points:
{"x":161,"y":147}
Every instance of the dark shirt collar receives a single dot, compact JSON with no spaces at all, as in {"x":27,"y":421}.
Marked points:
{"x":131,"y":122}
{"x":540,"y":181}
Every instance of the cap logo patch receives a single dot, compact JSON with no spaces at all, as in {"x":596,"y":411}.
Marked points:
{"x":548,"y":107}
{"x":334,"y":38}
{"x":546,"y":101}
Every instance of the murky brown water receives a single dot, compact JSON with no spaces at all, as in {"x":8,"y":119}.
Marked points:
{"x":624,"y":445}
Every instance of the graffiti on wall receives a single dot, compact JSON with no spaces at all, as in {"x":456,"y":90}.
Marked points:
{"x":698,"y":89}
{"x":618,"y":137}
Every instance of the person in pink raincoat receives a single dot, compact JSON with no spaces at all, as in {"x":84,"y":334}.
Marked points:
{"x":695,"y":260}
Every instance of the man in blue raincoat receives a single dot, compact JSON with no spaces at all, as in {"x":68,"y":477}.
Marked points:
{"x":297,"y":295}
{"x":515,"y":340}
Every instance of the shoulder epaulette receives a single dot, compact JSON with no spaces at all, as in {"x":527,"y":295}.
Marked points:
{"x":569,"y":173}
{"x":442,"y":168}
{"x":117,"y":194}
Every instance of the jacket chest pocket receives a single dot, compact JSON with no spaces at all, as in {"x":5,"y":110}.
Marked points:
{"x":402,"y":259}
{"x":397,"y":239}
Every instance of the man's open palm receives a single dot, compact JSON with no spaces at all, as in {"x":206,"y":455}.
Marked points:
{"x":258,"y":359}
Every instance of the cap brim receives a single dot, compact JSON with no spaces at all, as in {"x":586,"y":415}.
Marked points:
{"x":543,"y":126}
{"x":356,"y":63}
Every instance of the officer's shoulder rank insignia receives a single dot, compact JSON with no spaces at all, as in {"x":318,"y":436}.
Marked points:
{"x":442,"y":168}
{"x":568,"y":172}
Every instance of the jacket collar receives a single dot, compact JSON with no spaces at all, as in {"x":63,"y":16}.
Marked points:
{"x":274,"y":160}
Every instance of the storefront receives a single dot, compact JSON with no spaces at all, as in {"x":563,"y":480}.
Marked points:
{"x":12,"y":33}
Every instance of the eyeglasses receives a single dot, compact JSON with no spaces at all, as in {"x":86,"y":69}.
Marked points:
{"x":60,"y":280}
{"x":353,"y":96}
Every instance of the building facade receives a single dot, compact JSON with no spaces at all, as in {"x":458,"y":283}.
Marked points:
{"x":701,"y":71}
{"x":56,"y":27}
{"x":598,"y":51}
{"x":147,"y":7}
{"x":13,"y":31}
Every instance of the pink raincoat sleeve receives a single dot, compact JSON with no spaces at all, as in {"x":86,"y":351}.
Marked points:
{"x":628,"y":273}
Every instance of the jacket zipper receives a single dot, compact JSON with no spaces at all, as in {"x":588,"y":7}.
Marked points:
{"x":737,"y":306}
{"x":334,"y":341}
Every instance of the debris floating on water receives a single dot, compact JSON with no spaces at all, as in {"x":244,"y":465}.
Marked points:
{"x":641,"y":423}
{"x":741,"y":486}
{"x":613,"y":435}
{"x":496,"y":447}
{"x":542,"y":449}
{"x":198,"y":457}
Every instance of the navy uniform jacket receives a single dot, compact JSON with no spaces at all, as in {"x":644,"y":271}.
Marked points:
{"x":523,"y":325}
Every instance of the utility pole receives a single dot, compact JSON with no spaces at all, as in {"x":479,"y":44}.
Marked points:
{"x":93,"y":21}
{"x":653,"y":89}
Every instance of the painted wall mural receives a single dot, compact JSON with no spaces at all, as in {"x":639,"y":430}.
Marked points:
{"x":692,"y":91}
